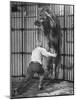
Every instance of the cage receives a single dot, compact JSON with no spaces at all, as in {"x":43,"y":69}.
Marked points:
{"x":24,"y":35}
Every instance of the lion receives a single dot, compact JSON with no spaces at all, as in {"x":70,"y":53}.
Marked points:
{"x":51,"y":28}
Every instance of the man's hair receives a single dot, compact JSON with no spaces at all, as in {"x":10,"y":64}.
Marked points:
{"x":38,"y":43}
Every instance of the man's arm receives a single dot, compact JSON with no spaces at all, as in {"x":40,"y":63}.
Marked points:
{"x":47,"y":54}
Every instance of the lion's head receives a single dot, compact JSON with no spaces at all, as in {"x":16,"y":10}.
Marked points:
{"x":46,"y":18}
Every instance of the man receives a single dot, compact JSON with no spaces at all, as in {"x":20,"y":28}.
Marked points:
{"x":36,"y":61}
{"x":35,"y":65}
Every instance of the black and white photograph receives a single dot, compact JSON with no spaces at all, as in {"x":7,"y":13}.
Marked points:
{"x":41,"y":49}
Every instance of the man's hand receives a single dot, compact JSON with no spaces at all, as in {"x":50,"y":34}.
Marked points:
{"x":52,"y":50}
{"x":55,"y":54}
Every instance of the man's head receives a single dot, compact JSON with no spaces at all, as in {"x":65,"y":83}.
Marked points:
{"x":38,"y":43}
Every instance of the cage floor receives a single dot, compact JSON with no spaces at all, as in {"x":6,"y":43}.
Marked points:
{"x":51,"y":88}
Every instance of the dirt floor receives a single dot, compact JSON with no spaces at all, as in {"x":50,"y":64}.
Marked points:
{"x":51,"y":88}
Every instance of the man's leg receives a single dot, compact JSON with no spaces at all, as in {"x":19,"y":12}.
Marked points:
{"x":41,"y":77}
{"x":25,"y":81}
{"x":22,"y":87}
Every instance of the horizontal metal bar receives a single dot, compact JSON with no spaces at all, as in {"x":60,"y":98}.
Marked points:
{"x":20,"y":29}
{"x":66,"y":15}
{"x":14,"y":17}
{"x":67,"y":54}
{"x":31,"y":53}
{"x":36,"y":16}
{"x":21,"y":53}
{"x":67,"y":28}
{"x":33,"y":29}
{"x":22,"y":4}
{"x":18,"y":76}
{"x":34,"y":3}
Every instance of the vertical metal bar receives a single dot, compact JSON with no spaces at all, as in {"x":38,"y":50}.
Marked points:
{"x":17,"y":44}
{"x":67,"y":49}
{"x":68,"y":45}
{"x":27,"y":31}
{"x":14,"y":44}
{"x":24,"y":40}
{"x":11,"y":44}
{"x":73,"y":43}
{"x":22,"y":35}
{"x":71,"y":47}
{"x":69,"y":40}
{"x":34,"y":21}
{"x":33,"y":35}
{"x":64,"y":47}
{"x":25,"y":36}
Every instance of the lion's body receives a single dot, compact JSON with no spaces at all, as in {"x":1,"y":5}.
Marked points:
{"x":51,"y":28}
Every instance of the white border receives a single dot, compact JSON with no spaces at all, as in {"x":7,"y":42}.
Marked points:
{"x":5,"y":47}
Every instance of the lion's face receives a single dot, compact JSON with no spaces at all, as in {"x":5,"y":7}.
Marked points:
{"x":42,"y":16}
{"x":45,"y":19}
